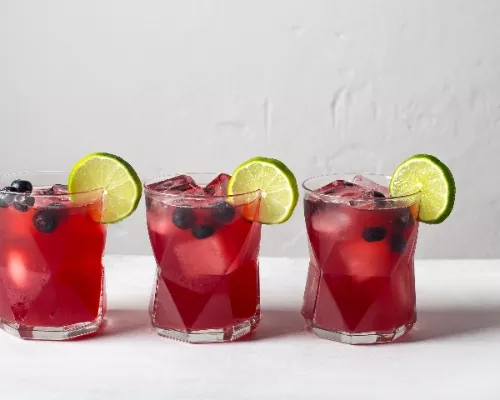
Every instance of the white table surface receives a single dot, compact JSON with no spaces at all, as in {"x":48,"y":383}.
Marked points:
{"x":452,"y":353}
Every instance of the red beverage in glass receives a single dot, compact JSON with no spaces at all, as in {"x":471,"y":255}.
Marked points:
{"x":51,"y":272}
{"x":360,"y":287}
{"x":206,"y":247}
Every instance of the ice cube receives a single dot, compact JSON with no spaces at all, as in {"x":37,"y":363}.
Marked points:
{"x":332,"y":187}
{"x":59,"y":189}
{"x":371,"y":185}
{"x":343,"y":192}
{"x":333,"y":222}
{"x":46,"y":197}
{"x":202,"y":257}
{"x":26,"y":274}
{"x":17,"y":269}
{"x":218,"y":186}
{"x":180,"y":183}
{"x":160,"y":224}
{"x":61,"y":194}
{"x":365,"y":260}
{"x":42,"y":191}
{"x":195,"y":191}
{"x":56,"y":189}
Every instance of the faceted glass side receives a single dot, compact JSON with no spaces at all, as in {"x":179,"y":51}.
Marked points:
{"x":51,"y":284}
{"x":227,"y":307}
{"x":361,"y":310}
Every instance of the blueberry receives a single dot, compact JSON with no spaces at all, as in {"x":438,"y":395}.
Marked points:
{"x":20,"y":207}
{"x":45,"y":221}
{"x":374,"y":234}
{"x":183,"y":217}
{"x":22,"y":186}
{"x":23,"y":203}
{"x":378,"y":194}
{"x":28,"y":200}
{"x":7,"y":196}
{"x":348,"y":184}
{"x":203,"y":231}
{"x":223,"y":212}
{"x":398,"y":243}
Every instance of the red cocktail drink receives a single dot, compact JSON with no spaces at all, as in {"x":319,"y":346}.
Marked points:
{"x":360,"y":286}
{"x":206,"y":246}
{"x":51,"y":272}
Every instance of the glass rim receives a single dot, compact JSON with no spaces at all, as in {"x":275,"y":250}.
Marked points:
{"x":47,"y":173}
{"x":152,"y":179}
{"x":366,"y":174}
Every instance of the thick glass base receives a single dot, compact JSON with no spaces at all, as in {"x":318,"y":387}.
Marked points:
{"x":218,"y":335}
{"x":51,"y":333}
{"x":361,"y":337}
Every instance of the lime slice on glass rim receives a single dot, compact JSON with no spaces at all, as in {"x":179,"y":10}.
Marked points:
{"x":116,"y":177}
{"x":428,"y":175}
{"x":278,"y":186}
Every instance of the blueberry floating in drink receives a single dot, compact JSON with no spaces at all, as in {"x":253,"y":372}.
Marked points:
{"x":46,"y":221}
{"x":183,"y":217}
{"x":7,"y":196}
{"x":203,"y":231}
{"x":23,"y":202}
{"x":22,"y":186}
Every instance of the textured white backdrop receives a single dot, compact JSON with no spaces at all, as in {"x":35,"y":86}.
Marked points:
{"x":202,"y":85}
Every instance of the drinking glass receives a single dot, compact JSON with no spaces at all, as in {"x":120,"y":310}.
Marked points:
{"x":51,"y":249}
{"x":360,"y":286}
{"x":206,"y":248}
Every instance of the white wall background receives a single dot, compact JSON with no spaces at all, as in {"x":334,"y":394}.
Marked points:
{"x":202,"y":85}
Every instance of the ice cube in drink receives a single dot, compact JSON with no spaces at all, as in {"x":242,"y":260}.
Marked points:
{"x":367,"y":183}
